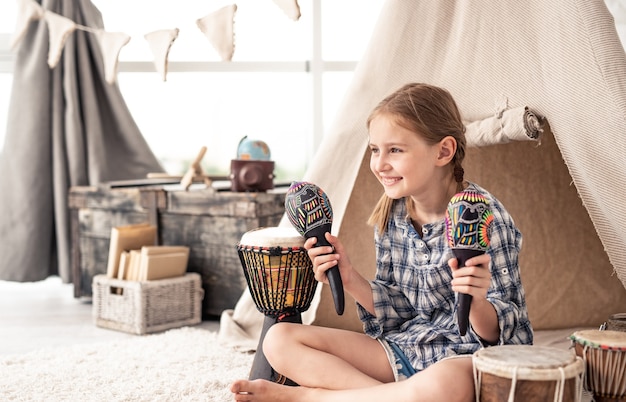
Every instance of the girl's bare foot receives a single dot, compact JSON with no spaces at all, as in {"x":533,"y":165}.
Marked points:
{"x":263,"y":390}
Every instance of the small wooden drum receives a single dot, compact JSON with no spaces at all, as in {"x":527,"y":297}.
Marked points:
{"x":527,"y":373}
{"x":604,"y":354}
{"x":616,"y":322}
{"x":278,"y":270}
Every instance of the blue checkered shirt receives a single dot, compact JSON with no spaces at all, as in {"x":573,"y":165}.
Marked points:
{"x":414,"y":301}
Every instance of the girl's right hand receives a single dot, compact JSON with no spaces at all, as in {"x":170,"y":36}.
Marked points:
{"x":326,"y":257}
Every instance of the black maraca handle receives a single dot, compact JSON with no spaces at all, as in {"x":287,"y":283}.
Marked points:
{"x":465,"y":300}
{"x":462,"y":312}
{"x":333,"y":274}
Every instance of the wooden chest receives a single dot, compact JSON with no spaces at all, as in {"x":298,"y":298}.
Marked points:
{"x":208,"y":221}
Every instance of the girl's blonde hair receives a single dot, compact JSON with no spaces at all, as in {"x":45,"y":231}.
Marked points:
{"x":430,"y":112}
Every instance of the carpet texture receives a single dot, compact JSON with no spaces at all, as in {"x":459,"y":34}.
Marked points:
{"x":185,"y":364}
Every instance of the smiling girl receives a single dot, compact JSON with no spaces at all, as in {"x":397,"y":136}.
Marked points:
{"x":411,"y":349}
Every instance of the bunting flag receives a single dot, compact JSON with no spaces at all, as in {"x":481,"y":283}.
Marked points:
{"x":290,"y":8}
{"x":218,"y":28}
{"x":160,"y":43}
{"x":27,"y":11}
{"x":111,"y":43}
{"x":59,"y":29}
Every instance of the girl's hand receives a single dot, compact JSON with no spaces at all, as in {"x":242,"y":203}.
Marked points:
{"x":326,"y":257}
{"x":473,"y":279}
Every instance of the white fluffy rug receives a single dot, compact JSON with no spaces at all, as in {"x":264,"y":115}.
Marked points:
{"x":185,"y":364}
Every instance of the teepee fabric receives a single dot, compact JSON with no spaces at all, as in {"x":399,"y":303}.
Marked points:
{"x":564,"y":58}
{"x":564,"y":61}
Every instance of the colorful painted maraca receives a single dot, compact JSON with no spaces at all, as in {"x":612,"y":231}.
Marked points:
{"x":468,"y":218}
{"x":309,"y":211}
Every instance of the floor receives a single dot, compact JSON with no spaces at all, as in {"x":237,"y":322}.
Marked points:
{"x":44,"y":314}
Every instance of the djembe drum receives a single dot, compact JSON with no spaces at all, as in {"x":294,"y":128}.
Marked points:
{"x":604,"y":355}
{"x":280,"y":278}
{"x":527,"y":373}
{"x":616,"y":322}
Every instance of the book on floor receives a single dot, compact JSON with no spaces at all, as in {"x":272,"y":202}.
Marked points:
{"x":126,"y":238}
{"x":160,"y":262}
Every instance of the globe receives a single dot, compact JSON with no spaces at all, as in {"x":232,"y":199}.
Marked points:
{"x":250,"y":149}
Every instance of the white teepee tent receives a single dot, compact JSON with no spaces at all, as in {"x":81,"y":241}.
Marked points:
{"x":563,"y":59}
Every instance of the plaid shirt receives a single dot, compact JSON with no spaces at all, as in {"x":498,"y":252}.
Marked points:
{"x":414,"y":301}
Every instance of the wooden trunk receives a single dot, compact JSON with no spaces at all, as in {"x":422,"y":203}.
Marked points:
{"x":209,"y":222}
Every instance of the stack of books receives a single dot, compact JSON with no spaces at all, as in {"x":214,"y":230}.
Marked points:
{"x":134,"y":255}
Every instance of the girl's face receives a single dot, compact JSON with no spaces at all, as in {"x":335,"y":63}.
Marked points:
{"x":401,"y":160}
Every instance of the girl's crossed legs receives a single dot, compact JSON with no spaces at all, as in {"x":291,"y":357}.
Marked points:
{"x":338,"y":365}
{"x":322,"y":357}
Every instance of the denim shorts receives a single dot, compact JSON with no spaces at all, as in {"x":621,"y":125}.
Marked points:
{"x":400,"y":365}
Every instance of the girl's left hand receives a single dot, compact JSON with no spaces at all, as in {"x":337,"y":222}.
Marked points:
{"x":473,"y":279}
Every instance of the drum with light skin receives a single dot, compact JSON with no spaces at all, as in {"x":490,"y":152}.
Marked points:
{"x":280,"y":278}
{"x":278,"y":270}
{"x":525,"y":373}
{"x":604,"y":355}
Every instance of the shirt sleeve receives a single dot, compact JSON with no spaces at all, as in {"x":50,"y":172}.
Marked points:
{"x":506,"y":293}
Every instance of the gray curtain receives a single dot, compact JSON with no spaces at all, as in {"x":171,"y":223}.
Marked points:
{"x":66,"y":127}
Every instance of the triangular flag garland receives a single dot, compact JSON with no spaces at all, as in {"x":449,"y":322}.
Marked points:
{"x":217,"y":26}
{"x":160,"y":43}
{"x":110,"y":44}
{"x":27,"y":11}
{"x":59,"y":28}
{"x":290,"y":8}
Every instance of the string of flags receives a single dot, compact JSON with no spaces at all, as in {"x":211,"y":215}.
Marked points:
{"x":217,"y":26}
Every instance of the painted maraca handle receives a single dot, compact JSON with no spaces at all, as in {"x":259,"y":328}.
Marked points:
{"x":309,"y":211}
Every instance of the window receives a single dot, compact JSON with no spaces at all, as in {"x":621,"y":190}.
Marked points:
{"x":7,"y":24}
{"x":283,"y":85}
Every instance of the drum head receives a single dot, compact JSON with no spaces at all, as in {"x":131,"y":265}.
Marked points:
{"x":527,"y":362}
{"x":609,"y":340}
{"x":287,"y":237}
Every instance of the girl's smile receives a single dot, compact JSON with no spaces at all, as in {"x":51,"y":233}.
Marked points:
{"x":389,"y":181}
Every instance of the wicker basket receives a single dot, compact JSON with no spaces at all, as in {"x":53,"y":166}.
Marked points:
{"x":147,"y":306}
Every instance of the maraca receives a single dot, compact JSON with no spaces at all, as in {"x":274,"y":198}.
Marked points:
{"x":468,"y":218}
{"x":310,"y":212}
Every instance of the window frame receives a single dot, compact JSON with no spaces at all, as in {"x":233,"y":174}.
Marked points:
{"x":316,"y":66}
